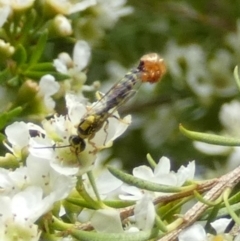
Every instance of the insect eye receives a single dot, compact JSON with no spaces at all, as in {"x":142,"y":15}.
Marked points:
{"x":77,"y":142}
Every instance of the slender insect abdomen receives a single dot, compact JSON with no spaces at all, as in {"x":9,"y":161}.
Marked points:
{"x":122,"y":91}
{"x":151,"y":68}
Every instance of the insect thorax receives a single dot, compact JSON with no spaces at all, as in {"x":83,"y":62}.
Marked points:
{"x":90,"y":125}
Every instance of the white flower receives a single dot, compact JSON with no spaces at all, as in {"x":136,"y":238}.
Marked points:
{"x":20,"y":5}
{"x":55,"y":147}
{"x":229,"y":117}
{"x":110,"y":11}
{"x":106,"y":184}
{"x":41,"y":174}
{"x":81,"y":56}
{"x":74,"y":67}
{"x":18,"y":137}
{"x":221,"y":224}
{"x":16,"y":215}
{"x":161,"y":175}
{"x":144,"y":213}
{"x":196,"y":232}
{"x":74,"y":159}
{"x":8,"y":6}
{"x":48,"y":87}
{"x":108,"y":220}
{"x":5,"y":11}
{"x":233,"y":160}
{"x":68,"y":6}
{"x":28,"y":193}
{"x":38,"y":173}
{"x":131,"y":193}
{"x":211,"y":149}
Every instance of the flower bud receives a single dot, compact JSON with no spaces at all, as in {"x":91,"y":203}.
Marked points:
{"x":61,"y":26}
{"x":6,"y":50}
{"x":27,"y":92}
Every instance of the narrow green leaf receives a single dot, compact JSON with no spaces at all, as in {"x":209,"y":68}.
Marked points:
{"x":136,"y":236}
{"x":211,"y":217}
{"x":235,"y":198}
{"x":38,"y":49}
{"x":143,"y":184}
{"x":4,"y":76}
{"x":79,"y":202}
{"x":14,"y":81}
{"x":160,"y":224}
{"x":47,"y":66}
{"x":20,"y":55}
{"x":231,"y":212}
{"x":118,"y":203}
{"x":200,"y":198}
{"x":7,"y":116}
{"x":38,"y":74}
{"x":236,"y":76}
{"x":2,"y":137}
{"x":210,"y":138}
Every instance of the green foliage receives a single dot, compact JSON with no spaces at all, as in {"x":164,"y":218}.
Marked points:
{"x":7,"y":117}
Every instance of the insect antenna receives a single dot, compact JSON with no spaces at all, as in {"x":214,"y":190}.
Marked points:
{"x":75,"y":142}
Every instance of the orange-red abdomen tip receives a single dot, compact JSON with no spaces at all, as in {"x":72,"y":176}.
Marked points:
{"x":152,"y":68}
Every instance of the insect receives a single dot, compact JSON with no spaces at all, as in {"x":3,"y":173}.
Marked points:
{"x":151,"y":68}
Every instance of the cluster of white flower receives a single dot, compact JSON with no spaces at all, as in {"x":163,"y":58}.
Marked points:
{"x":50,"y":171}
{"x":51,"y":162}
{"x":144,"y":211}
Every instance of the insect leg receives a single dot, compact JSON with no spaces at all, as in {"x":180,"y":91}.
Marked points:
{"x":105,"y":130}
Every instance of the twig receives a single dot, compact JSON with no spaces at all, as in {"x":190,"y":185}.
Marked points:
{"x":226,"y":181}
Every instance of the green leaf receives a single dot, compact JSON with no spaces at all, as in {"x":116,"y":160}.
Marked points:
{"x":4,"y":76}
{"x":6,"y":117}
{"x":2,"y":137}
{"x":20,"y":55}
{"x":143,"y":184}
{"x":236,"y":76}
{"x":38,"y":49}
{"x":93,"y":236}
{"x":47,"y":66}
{"x":210,"y":138}
{"x":38,"y":75}
{"x":118,"y":203}
{"x":14,"y":81}
{"x":231,"y":211}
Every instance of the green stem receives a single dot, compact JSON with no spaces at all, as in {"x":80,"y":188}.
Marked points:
{"x":93,"y":184}
{"x":228,"y":206}
{"x":82,"y":191}
{"x":151,"y":162}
